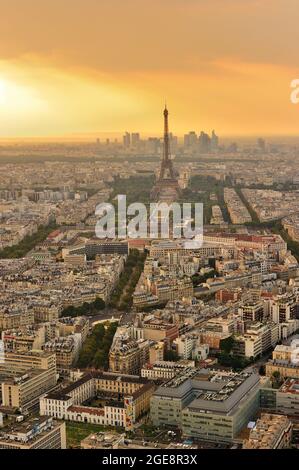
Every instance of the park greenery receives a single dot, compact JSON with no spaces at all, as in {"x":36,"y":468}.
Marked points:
{"x":237,"y":363}
{"x":136,"y":188}
{"x":28,"y":243}
{"x":95,"y":350}
{"x":226,"y":345}
{"x":76,"y":432}
{"x":87,"y":308}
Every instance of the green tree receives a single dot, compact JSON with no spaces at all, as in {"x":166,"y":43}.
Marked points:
{"x":226,"y":345}
{"x":99,"y":304}
{"x":171,"y":355}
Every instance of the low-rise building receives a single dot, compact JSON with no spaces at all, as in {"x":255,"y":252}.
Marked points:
{"x":270,"y":432}
{"x":34,"y":433}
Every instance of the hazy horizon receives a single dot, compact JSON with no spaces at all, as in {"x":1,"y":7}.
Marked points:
{"x":90,"y":138}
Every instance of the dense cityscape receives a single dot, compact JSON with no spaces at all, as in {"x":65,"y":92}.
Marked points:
{"x":148,"y":342}
{"x":149,"y":231}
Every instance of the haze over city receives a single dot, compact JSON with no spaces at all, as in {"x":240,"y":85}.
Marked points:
{"x":149,"y":230}
{"x":85,"y":67}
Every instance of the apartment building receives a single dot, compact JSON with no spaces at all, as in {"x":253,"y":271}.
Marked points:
{"x":162,"y":370}
{"x":66,"y":349}
{"x":24,"y":338}
{"x":252,"y":312}
{"x":258,"y":339}
{"x":69,"y":326}
{"x":156,"y":352}
{"x":22,"y":390}
{"x":159,"y":330}
{"x":127,"y":356}
{"x":272,"y":431}
{"x":24,"y":377}
{"x":189,"y":346}
{"x":15,"y":319}
{"x":31,"y":359}
{"x":284,"y":308}
{"x":172,"y":289}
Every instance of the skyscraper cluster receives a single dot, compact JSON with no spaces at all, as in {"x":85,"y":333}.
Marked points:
{"x":202,"y":142}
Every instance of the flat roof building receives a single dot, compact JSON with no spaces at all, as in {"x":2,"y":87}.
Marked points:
{"x":207,"y":404}
{"x":34,"y":433}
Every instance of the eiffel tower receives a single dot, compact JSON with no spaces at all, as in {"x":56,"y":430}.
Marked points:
{"x":166,"y":188}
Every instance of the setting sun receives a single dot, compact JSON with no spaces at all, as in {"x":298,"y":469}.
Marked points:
{"x":2,"y":92}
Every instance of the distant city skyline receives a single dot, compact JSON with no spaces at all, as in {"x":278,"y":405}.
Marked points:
{"x":91,"y":138}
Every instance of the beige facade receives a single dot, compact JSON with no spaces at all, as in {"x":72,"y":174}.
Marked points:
{"x":133,"y":401}
{"x":271,"y":432}
{"x":282,"y":362}
{"x":14,"y":320}
{"x":38,"y":360}
{"x":129,"y":358}
{"x":25,"y":377}
{"x":23,"y":391}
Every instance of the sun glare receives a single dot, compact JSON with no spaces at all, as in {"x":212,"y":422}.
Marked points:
{"x":15,"y":98}
{"x":2,"y":92}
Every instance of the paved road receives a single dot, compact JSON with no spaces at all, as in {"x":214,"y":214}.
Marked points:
{"x":108,"y":314}
{"x":105,"y":315}
{"x":260,"y":362}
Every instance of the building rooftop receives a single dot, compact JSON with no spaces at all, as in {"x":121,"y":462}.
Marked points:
{"x":267,"y":432}
{"x":64,"y":394}
{"x":209,"y":389}
{"x":27,"y":430}
{"x":290,"y":386}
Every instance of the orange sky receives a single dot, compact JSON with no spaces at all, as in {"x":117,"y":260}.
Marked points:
{"x":84,"y":66}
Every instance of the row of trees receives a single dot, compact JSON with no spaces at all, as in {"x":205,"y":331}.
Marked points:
{"x":200,"y":190}
{"x":121,"y":297}
{"x":95,"y":351}
{"x":253,"y":214}
{"x":235,"y":362}
{"x":87,"y":308}
{"x":28,"y":243}
{"x":293,"y":246}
